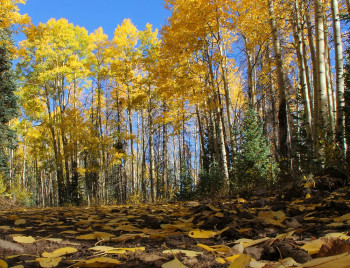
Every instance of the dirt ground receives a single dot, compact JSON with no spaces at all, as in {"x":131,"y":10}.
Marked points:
{"x":256,"y":231}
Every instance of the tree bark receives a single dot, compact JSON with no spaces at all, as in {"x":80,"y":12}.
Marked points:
{"x":282,"y":110}
{"x":339,"y":67}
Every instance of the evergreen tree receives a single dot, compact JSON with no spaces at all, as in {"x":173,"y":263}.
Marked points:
{"x":8,"y":104}
{"x":255,"y":166}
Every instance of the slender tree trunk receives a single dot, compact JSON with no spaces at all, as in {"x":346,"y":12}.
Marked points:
{"x":282,"y":110}
{"x":314,"y":74}
{"x":322,"y":119}
{"x":302,"y":70}
{"x":151,"y":154}
{"x":339,"y":67}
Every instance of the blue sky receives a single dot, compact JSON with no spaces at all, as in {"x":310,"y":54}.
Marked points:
{"x":92,"y":14}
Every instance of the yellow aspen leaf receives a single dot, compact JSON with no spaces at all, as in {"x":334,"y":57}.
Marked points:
{"x":3,"y":264}
{"x":338,"y":261}
{"x":249,"y":242}
{"x":13,"y":217}
{"x":220,"y":260}
{"x":17,"y":266}
{"x":19,"y":229}
{"x":102,"y":248}
{"x":20,"y":221}
{"x":289,"y":262}
{"x":208,"y":248}
{"x":219,"y":215}
{"x":175,"y":263}
{"x":345,"y":217}
{"x":188,"y":253}
{"x":69,"y":232}
{"x":241,"y":262}
{"x":95,"y":235}
{"x":126,"y":237}
{"x":313,"y":247}
{"x":232,"y":258}
{"x":213,"y":208}
{"x":337,"y":235}
{"x":59,"y":252}
{"x":5,"y":228}
{"x":99,"y":262}
{"x":201,"y":234}
{"x":133,"y":249}
{"x":24,"y":239}
{"x":48,"y":262}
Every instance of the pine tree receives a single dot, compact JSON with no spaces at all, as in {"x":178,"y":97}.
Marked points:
{"x":255,"y":165}
{"x":8,"y":104}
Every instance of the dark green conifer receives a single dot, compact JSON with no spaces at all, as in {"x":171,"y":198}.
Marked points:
{"x":8,"y":100}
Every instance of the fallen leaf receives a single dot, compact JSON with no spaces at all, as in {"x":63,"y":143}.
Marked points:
{"x":99,"y":262}
{"x":220,"y":260}
{"x":188,"y":253}
{"x":338,"y":261}
{"x":289,"y":262}
{"x":96,"y":235}
{"x":241,"y":261}
{"x":213,"y":208}
{"x":3,"y":264}
{"x":59,"y":252}
{"x":175,"y":263}
{"x":201,"y":234}
{"x":24,"y":239}
{"x":313,"y":247}
{"x":48,"y":262}
{"x":20,"y":221}
{"x":345,"y":217}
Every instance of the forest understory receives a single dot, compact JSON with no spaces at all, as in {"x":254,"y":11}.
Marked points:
{"x":300,"y":226}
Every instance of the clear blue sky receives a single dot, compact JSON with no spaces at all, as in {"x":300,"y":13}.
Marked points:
{"x":92,"y":14}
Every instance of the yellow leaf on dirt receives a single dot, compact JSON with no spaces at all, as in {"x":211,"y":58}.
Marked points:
{"x":257,"y":264}
{"x":96,"y":235}
{"x":284,"y":236}
{"x":337,"y":235}
{"x":244,"y":230}
{"x":335,"y":224}
{"x":213,"y":208}
{"x":3,"y":264}
{"x":98,"y":262}
{"x":13,"y":217}
{"x":345,"y":217}
{"x":208,"y":248}
{"x":126,"y":237}
{"x":59,"y":252}
{"x":20,"y":221}
{"x":48,"y":262}
{"x":188,"y":253}
{"x":219,"y":215}
{"x":133,"y":249}
{"x":175,"y":263}
{"x":313,"y":247}
{"x":201,"y":234}
{"x":102,"y":248}
{"x":69,"y":232}
{"x":289,"y":262}
{"x":241,"y":261}
{"x":216,"y":248}
{"x":249,"y":242}
{"x":220,"y":260}
{"x":24,"y":239}
{"x":4,"y":227}
{"x":338,"y":261}
{"x":232,"y":258}
{"x":17,"y":266}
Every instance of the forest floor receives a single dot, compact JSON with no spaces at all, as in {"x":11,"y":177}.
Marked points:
{"x":255,"y":231}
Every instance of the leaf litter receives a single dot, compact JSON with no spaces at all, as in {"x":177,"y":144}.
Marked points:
{"x":255,"y":231}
